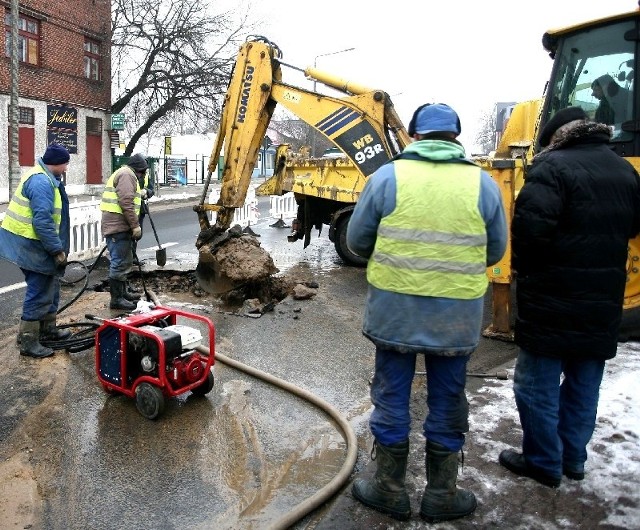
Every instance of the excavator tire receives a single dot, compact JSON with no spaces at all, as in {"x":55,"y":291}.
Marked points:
{"x":341,"y":245}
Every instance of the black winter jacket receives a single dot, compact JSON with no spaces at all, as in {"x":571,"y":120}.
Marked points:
{"x":572,"y":221}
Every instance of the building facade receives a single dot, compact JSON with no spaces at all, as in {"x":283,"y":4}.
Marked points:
{"x":64,"y":90}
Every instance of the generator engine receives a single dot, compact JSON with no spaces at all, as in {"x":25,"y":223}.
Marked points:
{"x":182,"y":363}
{"x":151,"y":357}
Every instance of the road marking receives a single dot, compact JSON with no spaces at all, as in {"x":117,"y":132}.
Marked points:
{"x":164,"y":245}
{"x":13,"y":287}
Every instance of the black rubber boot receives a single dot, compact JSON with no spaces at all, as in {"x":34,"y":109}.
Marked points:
{"x":49,"y":331}
{"x":442,"y":500}
{"x":29,"y":338}
{"x":386,"y":491}
{"x":130,"y":294}
{"x":516,"y":463}
{"x":118,"y":301}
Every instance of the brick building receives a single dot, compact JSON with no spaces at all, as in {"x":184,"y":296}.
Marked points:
{"x":64,"y":87}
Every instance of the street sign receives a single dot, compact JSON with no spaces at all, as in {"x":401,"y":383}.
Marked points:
{"x":117,"y":122}
{"x":167,"y":145}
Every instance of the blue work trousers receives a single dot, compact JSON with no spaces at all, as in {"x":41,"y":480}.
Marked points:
{"x":448,"y":416}
{"x":120,"y":254}
{"x":42,"y":295}
{"x":557,"y":417}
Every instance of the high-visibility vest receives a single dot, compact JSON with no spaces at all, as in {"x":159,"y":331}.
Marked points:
{"x":19,"y":216}
{"x":434,"y":243}
{"x":109,"y":202}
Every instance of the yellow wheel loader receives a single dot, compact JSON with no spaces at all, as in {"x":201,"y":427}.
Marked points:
{"x":608,"y":49}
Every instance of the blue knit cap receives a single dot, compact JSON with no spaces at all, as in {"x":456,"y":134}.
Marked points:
{"x":437,"y":118}
{"x":56,"y":154}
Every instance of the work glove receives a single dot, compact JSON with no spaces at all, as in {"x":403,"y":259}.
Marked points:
{"x":143,"y":193}
{"x":136,"y":233}
{"x":150,"y":192}
{"x":60,"y":259}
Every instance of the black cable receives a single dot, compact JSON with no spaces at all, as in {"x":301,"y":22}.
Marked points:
{"x":79,"y":340}
{"x":85,"y":277}
{"x":85,"y":338}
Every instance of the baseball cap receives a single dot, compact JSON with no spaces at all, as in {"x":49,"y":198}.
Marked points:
{"x":437,"y":117}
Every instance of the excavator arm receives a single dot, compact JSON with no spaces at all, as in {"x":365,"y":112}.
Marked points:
{"x":246,"y":114}
{"x":363,"y":124}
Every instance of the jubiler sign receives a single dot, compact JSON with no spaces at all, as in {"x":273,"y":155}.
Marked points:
{"x":62,"y":126}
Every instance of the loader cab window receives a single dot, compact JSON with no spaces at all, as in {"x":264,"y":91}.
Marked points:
{"x":595,"y":69}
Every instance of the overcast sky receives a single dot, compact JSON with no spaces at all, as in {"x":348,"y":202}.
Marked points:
{"x":464,"y":53}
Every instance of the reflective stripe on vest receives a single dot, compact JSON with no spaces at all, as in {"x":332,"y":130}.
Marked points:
{"x":109,"y":202}
{"x":19,"y":216}
{"x":434,"y":243}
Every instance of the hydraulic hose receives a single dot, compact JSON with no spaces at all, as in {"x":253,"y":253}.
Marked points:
{"x":84,"y":338}
{"x":85,"y":277}
{"x":326,"y":492}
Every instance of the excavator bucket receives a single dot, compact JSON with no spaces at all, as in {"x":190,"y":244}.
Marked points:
{"x":210,"y":275}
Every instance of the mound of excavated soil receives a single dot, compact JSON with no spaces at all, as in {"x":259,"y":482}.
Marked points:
{"x":242,"y":259}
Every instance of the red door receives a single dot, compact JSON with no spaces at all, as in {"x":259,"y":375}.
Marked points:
{"x":26,"y":146}
{"x":94,"y":158}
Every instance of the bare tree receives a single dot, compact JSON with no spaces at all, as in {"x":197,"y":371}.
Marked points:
{"x":171,"y":63}
{"x":486,"y":135}
{"x":298,"y":133}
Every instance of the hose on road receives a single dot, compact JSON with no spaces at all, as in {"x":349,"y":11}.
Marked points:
{"x":330,"y":489}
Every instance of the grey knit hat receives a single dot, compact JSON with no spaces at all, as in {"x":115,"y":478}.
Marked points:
{"x":137,"y":162}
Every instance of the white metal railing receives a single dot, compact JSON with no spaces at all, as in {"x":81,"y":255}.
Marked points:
{"x":86,"y":237}
{"x":244,"y":216}
{"x":283,"y":206}
{"x":86,"y":220}
{"x":86,"y":234}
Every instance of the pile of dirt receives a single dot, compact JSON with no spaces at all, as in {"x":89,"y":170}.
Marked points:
{"x":245,"y":270}
{"x":242,"y":259}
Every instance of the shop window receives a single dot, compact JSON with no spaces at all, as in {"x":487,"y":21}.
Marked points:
{"x":94,"y":126}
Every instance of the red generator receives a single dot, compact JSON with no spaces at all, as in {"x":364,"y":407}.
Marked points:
{"x":150,"y":357}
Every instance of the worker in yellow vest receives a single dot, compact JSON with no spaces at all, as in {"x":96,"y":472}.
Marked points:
{"x":120,"y":205}
{"x":429,"y":222}
{"x":35,"y":235}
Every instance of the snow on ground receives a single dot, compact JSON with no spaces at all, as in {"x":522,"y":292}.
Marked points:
{"x":613,"y":465}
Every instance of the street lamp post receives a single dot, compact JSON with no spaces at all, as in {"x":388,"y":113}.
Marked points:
{"x":315,"y":62}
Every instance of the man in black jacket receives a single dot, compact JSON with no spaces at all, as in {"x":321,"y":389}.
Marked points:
{"x":572,"y":222}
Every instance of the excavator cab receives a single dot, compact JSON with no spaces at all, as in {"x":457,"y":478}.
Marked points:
{"x":595,"y":68}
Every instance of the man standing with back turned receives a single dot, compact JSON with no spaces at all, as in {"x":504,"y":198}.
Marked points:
{"x":430,"y":223}
{"x":573,"y":219}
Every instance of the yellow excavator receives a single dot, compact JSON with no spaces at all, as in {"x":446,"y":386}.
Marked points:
{"x":364,"y":125}
{"x":361,"y":122}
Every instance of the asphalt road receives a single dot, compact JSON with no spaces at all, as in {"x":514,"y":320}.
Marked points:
{"x":240,"y":457}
